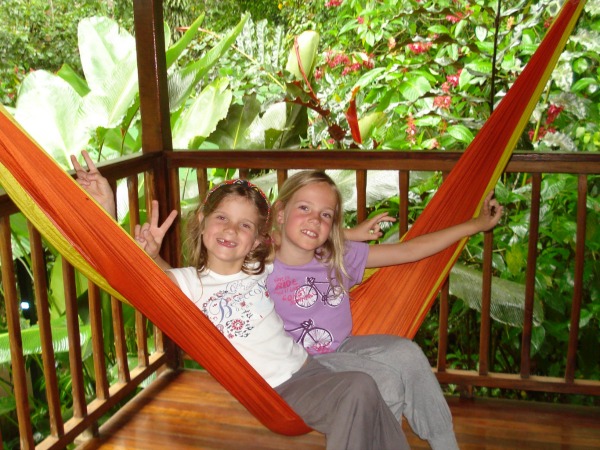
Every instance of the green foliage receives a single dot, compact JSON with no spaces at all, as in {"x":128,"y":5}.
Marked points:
{"x":437,"y":68}
{"x":41,"y":34}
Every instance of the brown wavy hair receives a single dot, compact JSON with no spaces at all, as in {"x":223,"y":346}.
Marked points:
{"x":195,"y":250}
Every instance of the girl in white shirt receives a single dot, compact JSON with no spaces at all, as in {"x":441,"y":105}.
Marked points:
{"x":229,"y":244}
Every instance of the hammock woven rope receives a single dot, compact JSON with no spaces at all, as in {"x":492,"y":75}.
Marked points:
{"x":62,"y":212}
{"x":94,"y":243}
{"x":415,"y":286}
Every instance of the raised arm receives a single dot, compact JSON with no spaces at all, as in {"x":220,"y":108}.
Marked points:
{"x":149,"y":236}
{"x":432,"y":243}
{"x":94,"y":183}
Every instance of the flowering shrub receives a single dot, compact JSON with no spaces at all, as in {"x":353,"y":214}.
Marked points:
{"x":437,"y":68}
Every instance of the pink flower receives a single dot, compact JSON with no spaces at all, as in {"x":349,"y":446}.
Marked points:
{"x":351,"y":68}
{"x":318,"y":73}
{"x":333,"y":3}
{"x":541,"y":133}
{"x":453,"y":79}
{"x":419,"y":47}
{"x":456,"y":18}
{"x":411,"y":129}
{"x":369,"y":63}
{"x":445,"y":87}
{"x":337,"y":60}
{"x":361,"y":20}
{"x":442,"y":101}
{"x":553,"y":112}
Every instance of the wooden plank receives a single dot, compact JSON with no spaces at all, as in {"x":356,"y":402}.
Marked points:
{"x":189,"y":409}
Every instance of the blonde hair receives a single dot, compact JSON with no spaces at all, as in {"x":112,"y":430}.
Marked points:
{"x":195,"y":250}
{"x":331,"y":253}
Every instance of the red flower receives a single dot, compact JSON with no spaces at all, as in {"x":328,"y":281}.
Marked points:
{"x":411,"y":129}
{"x":337,"y":60}
{"x":543,"y":131}
{"x":453,"y":79}
{"x":333,"y":3}
{"x":442,"y":101}
{"x":351,"y":68}
{"x":553,"y":112}
{"x":419,"y":47}
{"x":456,"y":18}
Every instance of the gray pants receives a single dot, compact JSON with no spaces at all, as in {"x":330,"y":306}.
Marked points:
{"x":405,"y":380}
{"x":345,"y":406}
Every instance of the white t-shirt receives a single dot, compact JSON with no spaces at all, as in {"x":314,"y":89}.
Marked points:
{"x":240,"y":307}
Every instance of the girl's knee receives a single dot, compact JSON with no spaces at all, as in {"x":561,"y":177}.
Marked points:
{"x":358,"y":382}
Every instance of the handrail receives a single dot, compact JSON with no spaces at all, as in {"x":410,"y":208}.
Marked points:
{"x":89,"y":407}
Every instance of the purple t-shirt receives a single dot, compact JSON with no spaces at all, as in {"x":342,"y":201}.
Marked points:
{"x":314,"y":311}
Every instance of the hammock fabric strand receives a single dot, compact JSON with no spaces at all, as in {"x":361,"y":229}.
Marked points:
{"x":459,"y":198}
{"x":61,"y":211}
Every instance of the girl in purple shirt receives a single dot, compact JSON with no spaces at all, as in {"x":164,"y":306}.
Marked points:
{"x":313,"y":272}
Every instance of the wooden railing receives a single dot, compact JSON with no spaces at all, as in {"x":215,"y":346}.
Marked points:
{"x":78,"y":416}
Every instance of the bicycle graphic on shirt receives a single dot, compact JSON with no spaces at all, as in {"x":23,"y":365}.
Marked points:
{"x":308,"y":294}
{"x":312,"y":337}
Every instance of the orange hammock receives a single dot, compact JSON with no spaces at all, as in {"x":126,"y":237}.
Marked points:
{"x":62,"y":212}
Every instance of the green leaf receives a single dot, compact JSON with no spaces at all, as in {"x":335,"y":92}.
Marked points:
{"x":481,"y":33}
{"x":368,"y":77}
{"x":32,"y":344}
{"x":480,"y":67}
{"x":73,"y":78}
{"x":438,"y":29}
{"x":460,"y":133}
{"x":177,"y":49}
{"x":235,"y":132}
{"x":108,"y":58}
{"x":508,"y":297}
{"x":308,"y":45}
{"x":370,"y":123}
{"x":203,"y":115}
{"x":51,"y":111}
{"x":414,"y":88}
{"x":183,"y":82}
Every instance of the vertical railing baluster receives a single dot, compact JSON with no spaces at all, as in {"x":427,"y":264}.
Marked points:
{"x":141,"y":333}
{"x":486,"y":303}
{"x":202,"y":179}
{"x":95,"y":306}
{"x":119,"y":330}
{"x":282,"y":175}
{"x":577,"y":278}
{"x":40,"y":286}
{"x":361,"y":195}
{"x":75,"y":360}
{"x":11,"y":303}
{"x":532,"y":253}
{"x":443,"y":318}
{"x":443,"y":327}
{"x":404,"y":186}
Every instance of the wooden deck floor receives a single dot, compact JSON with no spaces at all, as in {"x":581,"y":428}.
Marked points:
{"x":188,"y":409}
